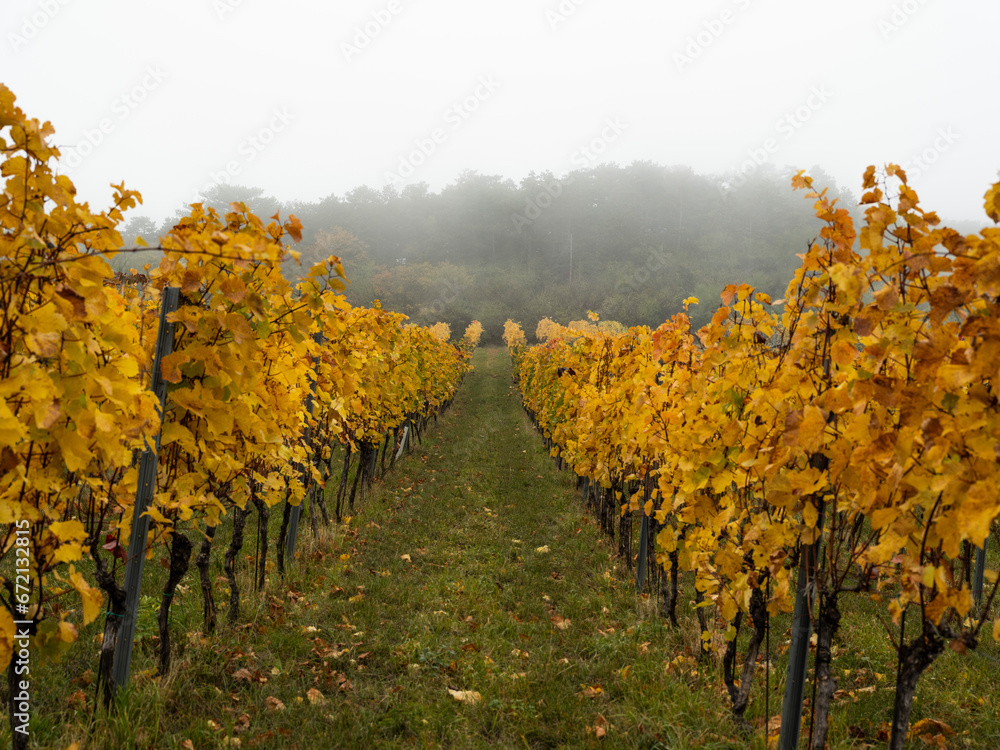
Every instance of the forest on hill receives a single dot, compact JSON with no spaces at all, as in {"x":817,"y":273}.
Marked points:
{"x":628,"y":242}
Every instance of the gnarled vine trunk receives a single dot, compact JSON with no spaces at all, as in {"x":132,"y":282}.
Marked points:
{"x":180,"y":559}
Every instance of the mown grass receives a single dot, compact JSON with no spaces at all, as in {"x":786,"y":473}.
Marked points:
{"x":474,"y":569}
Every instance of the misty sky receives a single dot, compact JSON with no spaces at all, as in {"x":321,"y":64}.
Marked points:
{"x":306,"y":98}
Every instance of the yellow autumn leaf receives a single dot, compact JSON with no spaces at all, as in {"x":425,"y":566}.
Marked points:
{"x":92,"y":598}
{"x":977,"y":510}
{"x":992,"y":202}
{"x":7,"y":637}
{"x":68,"y":531}
{"x":810,"y":515}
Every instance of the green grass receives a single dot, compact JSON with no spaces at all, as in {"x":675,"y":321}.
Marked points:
{"x":475,"y":607}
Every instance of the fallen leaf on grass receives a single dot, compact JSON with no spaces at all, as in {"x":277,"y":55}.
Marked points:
{"x":242,"y":724}
{"x":561,"y":623}
{"x":315,"y":696}
{"x":273,"y":704}
{"x":543,"y":550}
{"x":600,"y":728}
{"x":405,"y":558}
{"x":465,"y":696}
{"x":926,"y":726}
{"x":591,"y":691}
{"x":934,"y":740}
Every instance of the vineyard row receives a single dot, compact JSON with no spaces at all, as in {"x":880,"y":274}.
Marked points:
{"x":841,"y":442}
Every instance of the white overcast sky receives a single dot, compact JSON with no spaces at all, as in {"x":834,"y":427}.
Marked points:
{"x":172,"y":97}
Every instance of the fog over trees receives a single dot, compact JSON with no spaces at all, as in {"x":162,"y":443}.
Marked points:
{"x":628,"y":242}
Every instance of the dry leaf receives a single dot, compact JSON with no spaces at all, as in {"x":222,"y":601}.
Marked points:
{"x":405,"y":558}
{"x":591,"y":691}
{"x":925,"y":726}
{"x":273,"y":704}
{"x":600,"y":728}
{"x":315,"y":696}
{"x":543,"y":550}
{"x":465,"y":696}
{"x":561,"y":623}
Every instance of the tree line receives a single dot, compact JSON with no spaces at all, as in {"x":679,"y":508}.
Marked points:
{"x":628,"y":242}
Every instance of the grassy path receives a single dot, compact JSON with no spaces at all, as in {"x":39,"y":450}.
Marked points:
{"x":483,"y":575}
